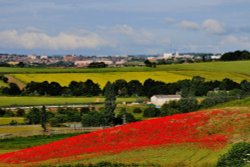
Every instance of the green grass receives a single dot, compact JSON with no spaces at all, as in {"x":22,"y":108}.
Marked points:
{"x":7,"y":120}
{"x":233,"y":66}
{"x":239,"y":103}
{"x":25,"y":142}
{"x":2,"y":84}
{"x":171,"y":156}
{"x":20,"y":129}
{"x":30,"y":101}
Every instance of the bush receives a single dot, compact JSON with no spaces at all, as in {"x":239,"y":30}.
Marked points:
{"x":151,"y":112}
{"x":2,"y":112}
{"x":137,"y":111}
{"x":237,"y":156}
{"x":9,"y":113}
{"x":54,"y":122}
{"x":20,"y":112}
{"x":13,"y":122}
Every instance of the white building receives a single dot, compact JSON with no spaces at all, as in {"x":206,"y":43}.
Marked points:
{"x":159,"y":100}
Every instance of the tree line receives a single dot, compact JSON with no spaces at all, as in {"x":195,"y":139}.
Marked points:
{"x":197,"y":86}
{"x":237,"y":55}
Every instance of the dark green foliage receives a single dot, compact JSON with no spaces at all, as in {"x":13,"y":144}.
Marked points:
{"x":128,"y":117}
{"x":187,"y":105}
{"x":97,"y":65}
{"x":13,"y":122}
{"x":34,"y":116}
{"x":217,"y":97}
{"x":13,"y":89}
{"x":20,"y":112}
{"x":9,"y":113}
{"x":170,"y":108}
{"x":43,"y":118}
{"x":237,"y":55}
{"x":120,"y":87}
{"x":2,"y":112}
{"x":182,"y":106}
{"x":88,"y":88}
{"x":110,"y":104}
{"x":149,"y":64}
{"x":151,"y":112}
{"x":93,"y":118}
{"x":237,"y":156}
{"x":245,"y":87}
{"x":135,"y":88}
{"x":228,"y":84}
{"x":137,"y":111}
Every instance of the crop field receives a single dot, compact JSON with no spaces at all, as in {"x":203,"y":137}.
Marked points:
{"x":7,"y":120}
{"x":237,"y":70}
{"x":192,"y":139}
{"x":101,"y":78}
{"x":30,"y":101}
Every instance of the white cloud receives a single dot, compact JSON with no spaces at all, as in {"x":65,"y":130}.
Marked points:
{"x":190,"y":25}
{"x":234,"y":41}
{"x":123,"y":29}
{"x":213,"y":26}
{"x":39,"y":40}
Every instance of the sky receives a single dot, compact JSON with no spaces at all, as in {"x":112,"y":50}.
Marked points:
{"x":121,"y":27}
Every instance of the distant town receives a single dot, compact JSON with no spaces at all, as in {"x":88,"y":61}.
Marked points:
{"x":80,"y":61}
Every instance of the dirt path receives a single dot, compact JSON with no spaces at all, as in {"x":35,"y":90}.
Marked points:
{"x":19,"y":83}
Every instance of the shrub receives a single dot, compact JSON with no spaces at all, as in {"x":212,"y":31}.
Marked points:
{"x":13,"y":122}
{"x":151,"y":112}
{"x":237,"y":156}
{"x":137,"y":111}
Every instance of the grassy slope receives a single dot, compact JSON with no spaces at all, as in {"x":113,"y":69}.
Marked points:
{"x":26,"y":100}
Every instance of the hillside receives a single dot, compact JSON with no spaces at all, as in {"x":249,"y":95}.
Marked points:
{"x":204,"y":134}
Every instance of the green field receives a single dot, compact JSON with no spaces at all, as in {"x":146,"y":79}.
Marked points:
{"x":237,"y":70}
{"x":30,"y":101}
{"x":8,"y":145}
{"x":170,"y":156}
{"x":233,"y":66}
{"x":2,"y":84}
{"x":7,"y":120}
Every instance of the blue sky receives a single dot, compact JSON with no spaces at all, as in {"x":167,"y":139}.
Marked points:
{"x":104,"y":27}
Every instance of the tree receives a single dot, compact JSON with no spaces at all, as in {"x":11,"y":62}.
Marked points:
{"x":187,"y":105}
{"x":151,"y":112}
{"x":228,"y":84}
{"x":34,"y":116}
{"x":135,"y":88}
{"x":13,"y":89}
{"x":110,"y":105}
{"x":43,"y":118}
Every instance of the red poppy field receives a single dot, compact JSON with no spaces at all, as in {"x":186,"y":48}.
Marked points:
{"x":211,"y":130}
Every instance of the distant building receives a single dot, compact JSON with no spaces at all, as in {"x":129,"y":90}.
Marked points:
{"x":159,"y":100}
{"x":83,"y":63}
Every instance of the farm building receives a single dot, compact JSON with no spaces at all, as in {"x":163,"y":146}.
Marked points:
{"x":159,"y":100}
